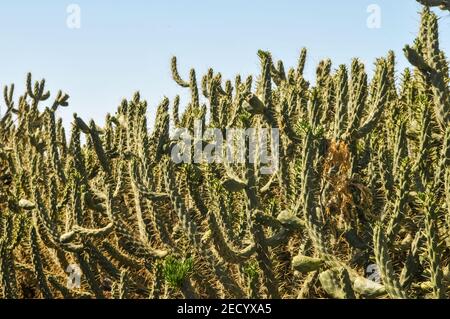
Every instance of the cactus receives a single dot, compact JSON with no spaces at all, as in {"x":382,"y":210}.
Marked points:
{"x":362,"y":179}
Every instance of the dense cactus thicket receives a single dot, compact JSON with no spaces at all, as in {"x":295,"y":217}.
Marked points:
{"x":362,"y":191}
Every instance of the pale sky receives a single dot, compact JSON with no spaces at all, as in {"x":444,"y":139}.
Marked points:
{"x":124,"y":46}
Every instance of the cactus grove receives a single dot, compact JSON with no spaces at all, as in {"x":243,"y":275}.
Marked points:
{"x":363,"y":183}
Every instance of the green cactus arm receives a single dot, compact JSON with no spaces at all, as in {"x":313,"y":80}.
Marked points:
{"x":223,"y":275}
{"x":395,"y":220}
{"x":341,"y":107}
{"x":336,"y":282}
{"x":433,"y":248}
{"x":8,"y":273}
{"x":175,"y":111}
{"x":99,"y":149}
{"x":189,"y":226}
{"x":384,"y":263}
{"x":412,"y":262}
{"x":158,"y":282}
{"x":378,"y":104}
{"x":124,"y":285}
{"x":38,"y":266}
{"x":301,"y":62}
{"x":264,"y":261}
{"x":122,"y":257}
{"x":225,"y":249}
{"x":86,"y":232}
{"x":67,"y":293}
{"x":89,"y":273}
{"x":358,"y":96}
{"x":176,"y":76}
{"x":138,"y":204}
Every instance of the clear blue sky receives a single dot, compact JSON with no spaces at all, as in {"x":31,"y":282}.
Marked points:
{"x":124,"y":46}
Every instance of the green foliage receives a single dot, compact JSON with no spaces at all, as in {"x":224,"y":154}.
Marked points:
{"x":176,"y":271}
